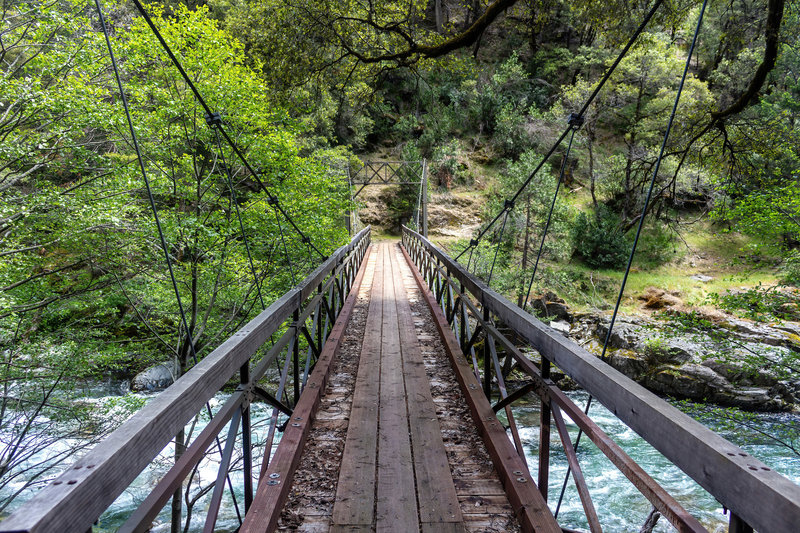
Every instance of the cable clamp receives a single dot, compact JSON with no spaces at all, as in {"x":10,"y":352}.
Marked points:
{"x":214,"y":119}
{"x":575,"y":120}
{"x":473,"y":242}
{"x":272,"y":200}
{"x":306,"y":240}
{"x":508,"y":205}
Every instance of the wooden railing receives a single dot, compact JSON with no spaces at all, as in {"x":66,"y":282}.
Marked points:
{"x":75,"y":499}
{"x":756,"y":496}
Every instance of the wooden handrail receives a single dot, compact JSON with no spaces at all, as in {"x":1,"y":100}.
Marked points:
{"x":76,"y":498}
{"x":764,"y":499}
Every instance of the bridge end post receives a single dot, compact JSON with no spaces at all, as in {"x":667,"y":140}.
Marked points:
{"x":424,"y":195}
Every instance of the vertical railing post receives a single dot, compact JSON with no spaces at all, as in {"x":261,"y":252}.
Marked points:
{"x":544,"y":436}
{"x":247,"y":447}
{"x":425,"y":198}
{"x":296,"y":356}
{"x":487,"y":359}
{"x":320,"y":307}
{"x":462,"y":327}
{"x":737,"y":525}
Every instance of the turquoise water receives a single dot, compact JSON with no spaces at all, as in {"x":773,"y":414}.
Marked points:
{"x":620,"y":506}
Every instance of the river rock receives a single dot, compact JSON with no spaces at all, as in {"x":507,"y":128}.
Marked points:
{"x":629,"y":363}
{"x":155,"y":378}
{"x":549,"y":305}
{"x":626,"y":336}
{"x":701,"y":383}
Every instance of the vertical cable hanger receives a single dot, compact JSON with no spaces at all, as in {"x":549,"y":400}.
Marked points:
{"x":162,"y":238}
{"x":575,"y":122}
{"x":579,"y":115}
{"x":214,"y":120}
{"x":648,"y":197}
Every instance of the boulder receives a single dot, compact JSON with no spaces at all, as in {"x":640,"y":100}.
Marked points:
{"x":155,"y":378}
{"x":629,"y":363}
{"x":625,"y":335}
{"x":551,"y":306}
{"x":700,"y":383}
{"x":680,"y":350}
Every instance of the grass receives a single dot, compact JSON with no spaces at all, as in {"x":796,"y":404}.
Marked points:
{"x":721,"y":255}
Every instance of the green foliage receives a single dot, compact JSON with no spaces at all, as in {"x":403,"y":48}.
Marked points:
{"x":598,"y":240}
{"x":746,"y":428}
{"x":83,"y":284}
{"x":656,"y":246}
{"x":790,"y":270}
{"x":445,"y":165}
{"x":760,"y":303}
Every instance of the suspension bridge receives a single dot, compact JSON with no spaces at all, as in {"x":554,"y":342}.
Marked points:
{"x":425,"y":359}
{"x":393,"y":360}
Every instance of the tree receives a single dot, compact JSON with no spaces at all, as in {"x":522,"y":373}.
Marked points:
{"x":82,"y":269}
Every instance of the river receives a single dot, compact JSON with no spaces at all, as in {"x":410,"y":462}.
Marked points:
{"x":620,"y":506}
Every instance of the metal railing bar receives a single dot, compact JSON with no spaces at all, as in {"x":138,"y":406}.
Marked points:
{"x":263,"y":364}
{"x":577,"y":474}
{"x":716,"y":464}
{"x":273,"y":401}
{"x":274,"y":417}
{"x":501,"y":385}
{"x":142,"y":518}
{"x":222,"y":473}
{"x":518,"y":394}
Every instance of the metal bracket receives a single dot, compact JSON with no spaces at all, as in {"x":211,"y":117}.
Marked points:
{"x":270,"y":399}
{"x":214,"y":119}
{"x":575,"y":120}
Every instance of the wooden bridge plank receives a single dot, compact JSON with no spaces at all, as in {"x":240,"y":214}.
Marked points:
{"x":396,"y":494}
{"x":529,"y":503}
{"x":265,"y":510}
{"x":355,"y":492}
{"x":438,"y":502}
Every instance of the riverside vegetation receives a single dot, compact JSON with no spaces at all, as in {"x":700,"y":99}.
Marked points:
{"x":481,"y":89}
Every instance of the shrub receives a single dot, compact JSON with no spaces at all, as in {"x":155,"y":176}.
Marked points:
{"x":445,"y":163}
{"x":598,"y":240}
{"x":790,"y":270}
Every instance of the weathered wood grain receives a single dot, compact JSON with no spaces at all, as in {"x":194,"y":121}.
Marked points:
{"x":355,"y":493}
{"x":438,"y":502}
{"x":269,"y":499}
{"x":396,"y":505}
{"x":765,"y":499}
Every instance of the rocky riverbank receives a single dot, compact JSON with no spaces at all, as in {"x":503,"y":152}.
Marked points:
{"x":713,"y":358}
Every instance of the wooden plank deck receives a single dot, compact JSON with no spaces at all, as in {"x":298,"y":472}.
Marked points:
{"x":412,"y":459}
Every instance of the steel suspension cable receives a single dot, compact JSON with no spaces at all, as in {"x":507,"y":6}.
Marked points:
{"x":212,"y":116}
{"x":162,"y":238}
{"x":579,"y":115}
{"x":549,"y":217}
{"x":498,"y":242}
{"x":648,"y":197}
{"x":239,"y":216}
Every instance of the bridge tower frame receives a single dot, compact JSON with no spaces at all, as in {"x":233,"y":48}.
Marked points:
{"x":392,"y":173}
